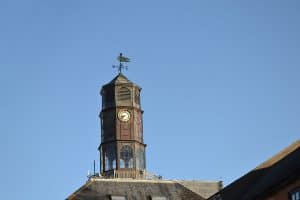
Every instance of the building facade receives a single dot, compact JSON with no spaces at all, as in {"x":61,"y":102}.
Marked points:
{"x":278,"y":178}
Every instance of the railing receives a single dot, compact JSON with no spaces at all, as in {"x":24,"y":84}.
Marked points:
{"x":152,"y":176}
{"x":128,"y":173}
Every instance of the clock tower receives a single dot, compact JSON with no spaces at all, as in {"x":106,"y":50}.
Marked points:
{"x":122,"y":148}
{"x":122,"y":153}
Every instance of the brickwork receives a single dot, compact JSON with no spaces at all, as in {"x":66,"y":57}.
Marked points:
{"x":283,"y":193}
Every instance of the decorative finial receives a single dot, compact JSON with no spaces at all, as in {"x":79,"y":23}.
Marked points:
{"x":122,"y":59}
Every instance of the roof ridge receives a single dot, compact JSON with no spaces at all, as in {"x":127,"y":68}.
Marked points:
{"x":279,"y":156}
{"x":119,"y":78}
{"x":190,"y":190}
{"x":131,"y":180}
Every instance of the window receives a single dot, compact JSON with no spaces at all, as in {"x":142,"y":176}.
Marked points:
{"x":140,"y":158}
{"x":158,"y":198}
{"x":124,"y":94}
{"x":137,"y":97}
{"x":126,"y":157}
{"x":295,"y":194}
{"x":117,"y":197}
{"x":109,"y":152}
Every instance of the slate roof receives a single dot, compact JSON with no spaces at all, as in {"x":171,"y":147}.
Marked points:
{"x":133,"y":189}
{"x":204,"y":188}
{"x":281,"y":168}
{"x":119,"y":79}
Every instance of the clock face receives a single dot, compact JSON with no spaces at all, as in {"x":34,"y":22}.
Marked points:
{"x":124,"y":115}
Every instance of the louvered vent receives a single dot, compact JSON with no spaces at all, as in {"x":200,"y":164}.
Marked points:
{"x":124,"y":94}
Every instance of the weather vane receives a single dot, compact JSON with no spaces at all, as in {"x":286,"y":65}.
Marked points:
{"x":122,"y":59}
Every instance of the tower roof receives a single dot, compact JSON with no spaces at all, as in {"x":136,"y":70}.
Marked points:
{"x":119,"y":79}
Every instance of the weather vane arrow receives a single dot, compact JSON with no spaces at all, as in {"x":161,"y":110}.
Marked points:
{"x":122,"y":59}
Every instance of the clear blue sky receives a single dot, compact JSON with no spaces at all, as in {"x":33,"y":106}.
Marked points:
{"x":220,"y":86}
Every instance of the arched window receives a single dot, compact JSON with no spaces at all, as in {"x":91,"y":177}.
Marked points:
{"x":124,"y":94}
{"x":140,"y":159}
{"x":295,"y":194}
{"x":126,"y":157}
{"x":137,"y":97}
{"x":109,"y":157}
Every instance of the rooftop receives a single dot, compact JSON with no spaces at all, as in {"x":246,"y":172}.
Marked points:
{"x":281,"y":168}
{"x":99,"y":188}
